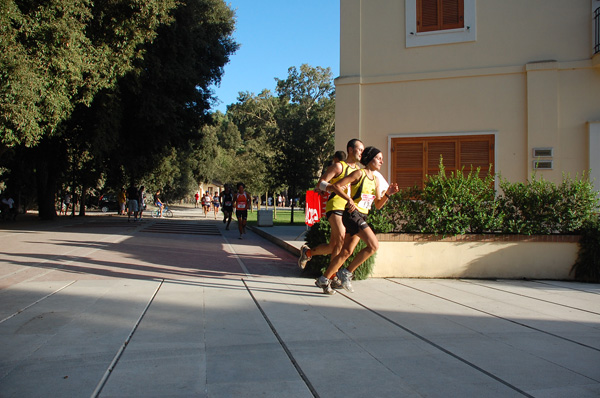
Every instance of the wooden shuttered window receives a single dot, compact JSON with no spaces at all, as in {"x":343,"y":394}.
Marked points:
{"x":435,"y":15}
{"x":414,"y":158}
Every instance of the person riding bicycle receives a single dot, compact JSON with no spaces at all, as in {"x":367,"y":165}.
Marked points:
{"x":158,"y":203}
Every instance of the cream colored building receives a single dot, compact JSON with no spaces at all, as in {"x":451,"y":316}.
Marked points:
{"x":514,"y":83}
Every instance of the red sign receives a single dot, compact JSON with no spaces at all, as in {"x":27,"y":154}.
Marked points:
{"x":313,"y":208}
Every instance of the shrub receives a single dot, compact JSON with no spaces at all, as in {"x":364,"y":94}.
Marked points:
{"x":320,"y":233}
{"x":587,"y":266}
{"x":458,"y":203}
{"x":540,"y":207}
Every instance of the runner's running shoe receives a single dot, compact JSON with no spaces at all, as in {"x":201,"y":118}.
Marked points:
{"x":325,"y":284}
{"x":303,"y":256}
{"x":346,"y":278}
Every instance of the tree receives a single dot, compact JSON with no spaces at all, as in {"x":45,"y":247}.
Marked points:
{"x":166,"y":102}
{"x":56,"y":54}
{"x":130,"y":130}
{"x":256,"y":118}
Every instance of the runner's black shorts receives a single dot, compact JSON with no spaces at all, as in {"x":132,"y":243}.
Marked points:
{"x":336,"y":212}
{"x":354,"y":222}
{"x":228,"y":209}
{"x":241,"y":214}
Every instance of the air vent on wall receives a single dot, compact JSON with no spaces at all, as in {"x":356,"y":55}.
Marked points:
{"x":542,"y":164}
{"x":543,"y":152}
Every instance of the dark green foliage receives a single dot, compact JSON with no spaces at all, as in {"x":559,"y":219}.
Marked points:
{"x":541,"y":207}
{"x":587,"y":266}
{"x":457,"y":203}
{"x":462,"y":204}
{"x":319,"y":233}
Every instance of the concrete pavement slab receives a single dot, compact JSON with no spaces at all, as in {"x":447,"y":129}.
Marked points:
{"x":183,"y":314}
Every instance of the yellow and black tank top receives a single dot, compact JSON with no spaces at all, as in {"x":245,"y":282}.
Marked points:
{"x":335,"y":202}
{"x":363,"y":192}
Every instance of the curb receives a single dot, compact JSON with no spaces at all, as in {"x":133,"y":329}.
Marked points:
{"x":279,"y":242}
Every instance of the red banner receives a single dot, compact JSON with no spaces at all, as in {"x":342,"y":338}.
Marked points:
{"x":313,"y":208}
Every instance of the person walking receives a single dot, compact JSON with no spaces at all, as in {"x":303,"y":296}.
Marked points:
{"x":242,"y":202}
{"x":335,"y":204}
{"x":227,"y":201}
{"x":364,"y":193}
{"x":132,"y":204}
{"x":122,"y":200}
{"x":197,"y":197}
{"x":141,"y":201}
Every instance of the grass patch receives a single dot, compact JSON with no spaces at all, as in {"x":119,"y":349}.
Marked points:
{"x":282,"y":218}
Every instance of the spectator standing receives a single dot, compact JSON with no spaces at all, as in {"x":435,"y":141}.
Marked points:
{"x":132,"y":204}
{"x":122,"y":199}
{"x":142,"y":200}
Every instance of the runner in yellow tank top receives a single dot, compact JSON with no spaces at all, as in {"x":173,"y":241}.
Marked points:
{"x":335,"y":204}
{"x":364,"y":193}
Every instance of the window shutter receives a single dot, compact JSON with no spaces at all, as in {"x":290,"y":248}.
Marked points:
{"x":413,"y":159}
{"x":445,"y":149}
{"x":427,"y":15}
{"x":439,"y":15}
{"x":477,"y":152}
{"x":452,"y":14}
{"x":407,"y":163}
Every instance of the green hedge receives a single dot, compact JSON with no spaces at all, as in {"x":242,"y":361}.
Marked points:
{"x":319,"y":233}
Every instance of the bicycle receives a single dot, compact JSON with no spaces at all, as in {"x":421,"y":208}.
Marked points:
{"x":166,"y":212}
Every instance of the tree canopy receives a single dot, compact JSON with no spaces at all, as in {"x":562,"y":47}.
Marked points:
{"x":56,"y":54}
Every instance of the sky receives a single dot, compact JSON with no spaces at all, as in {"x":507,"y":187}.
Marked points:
{"x":275,"y":35}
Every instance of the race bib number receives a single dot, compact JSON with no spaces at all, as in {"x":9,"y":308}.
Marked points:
{"x":228,"y":203}
{"x":366,"y":201}
{"x":241,"y":206}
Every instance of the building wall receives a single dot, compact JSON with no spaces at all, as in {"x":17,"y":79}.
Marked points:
{"x":528,"y":78}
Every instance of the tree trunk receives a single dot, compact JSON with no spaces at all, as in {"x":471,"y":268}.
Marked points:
{"x":46,"y":189}
{"x":82,"y":201}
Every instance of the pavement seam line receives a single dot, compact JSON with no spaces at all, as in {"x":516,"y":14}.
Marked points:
{"x":116,"y":358}
{"x":530,"y":297}
{"x":37,"y":301}
{"x":239,"y":260}
{"x":439,"y":347}
{"x":498,"y":316}
{"x":282,"y":343}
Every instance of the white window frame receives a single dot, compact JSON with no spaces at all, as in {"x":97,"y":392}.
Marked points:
{"x":462,"y":35}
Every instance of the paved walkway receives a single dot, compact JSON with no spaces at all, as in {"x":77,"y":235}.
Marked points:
{"x":182,"y":308}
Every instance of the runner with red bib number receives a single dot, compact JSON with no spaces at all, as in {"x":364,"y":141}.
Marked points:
{"x":242,"y":203}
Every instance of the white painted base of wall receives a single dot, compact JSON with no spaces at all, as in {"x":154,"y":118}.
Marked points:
{"x":512,"y":260}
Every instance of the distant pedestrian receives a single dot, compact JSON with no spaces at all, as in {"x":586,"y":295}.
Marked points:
{"x":67,"y":202}
{"x":215,"y":203}
{"x":206,"y":203}
{"x":141,"y":201}
{"x":227,"y":201}
{"x":122,"y":199}
{"x":132,"y":204}
{"x":197,"y":197}
{"x":242,"y":203}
